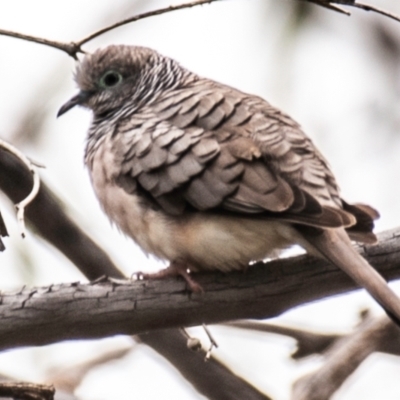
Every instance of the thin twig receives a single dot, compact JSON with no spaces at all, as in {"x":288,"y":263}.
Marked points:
{"x":213,"y":343}
{"x":70,"y":48}
{"x":68,"y":377}
{"x":73,"y":48}
{"x":351,"y":3}
{"x":367,"y":7}
{"x":307,"y":342}
{"x":35,"y":188}
{"x":143,"y":16}
{"x":329,"y":6}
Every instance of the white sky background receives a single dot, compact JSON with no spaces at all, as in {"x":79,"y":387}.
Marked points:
{"x":332,"y":76}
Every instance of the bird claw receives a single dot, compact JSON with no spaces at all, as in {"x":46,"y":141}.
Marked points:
{"x":174,"y":269}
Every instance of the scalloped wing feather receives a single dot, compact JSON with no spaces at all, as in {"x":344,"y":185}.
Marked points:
{"x":210,"y":147}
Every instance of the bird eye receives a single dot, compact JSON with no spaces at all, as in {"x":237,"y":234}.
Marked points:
{"x":110,"y":79}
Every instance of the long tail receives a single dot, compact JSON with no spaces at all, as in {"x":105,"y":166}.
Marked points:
{"x":335,"y":246}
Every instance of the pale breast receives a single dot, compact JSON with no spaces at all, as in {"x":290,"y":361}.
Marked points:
{"x":148,"y":228}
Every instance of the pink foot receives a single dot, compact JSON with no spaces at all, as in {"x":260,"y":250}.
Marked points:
{"x":175,"y":269}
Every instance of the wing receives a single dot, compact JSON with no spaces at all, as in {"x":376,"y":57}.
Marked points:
{"x":212,"y":148}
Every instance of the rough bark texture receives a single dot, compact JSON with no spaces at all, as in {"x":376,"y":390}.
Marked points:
{"x":33,"y":317}
{"x":26,"y":391}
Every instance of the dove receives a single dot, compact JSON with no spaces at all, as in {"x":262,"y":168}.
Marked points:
{"x":210,"y":178}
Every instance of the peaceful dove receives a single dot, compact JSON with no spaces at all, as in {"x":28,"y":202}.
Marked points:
{"x":211,"y":178}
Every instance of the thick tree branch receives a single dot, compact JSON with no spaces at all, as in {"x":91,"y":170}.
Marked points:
{"x":26,"y":391}
{"x":104,"y":308}
{"x":49,"y":219}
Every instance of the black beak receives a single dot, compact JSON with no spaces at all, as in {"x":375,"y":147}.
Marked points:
{"x":78,"y":99}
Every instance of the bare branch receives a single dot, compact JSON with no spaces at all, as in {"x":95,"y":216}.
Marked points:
{"x":329,"y":5}
{"x":352,"y":3}
{"x":143,"y":16}
{"x":368,"y":7}
{"x":344,"y":357}
{"x":107,"y":308}
{"x":26,"y":391}
{"x":72,"y":49}
{"x":35,"y":187}
{"x":307,"y":342}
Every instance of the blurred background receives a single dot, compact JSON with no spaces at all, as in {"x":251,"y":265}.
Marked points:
{"x":338,"y":76}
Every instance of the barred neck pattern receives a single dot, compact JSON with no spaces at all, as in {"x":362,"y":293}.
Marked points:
{"x":160,"y":76}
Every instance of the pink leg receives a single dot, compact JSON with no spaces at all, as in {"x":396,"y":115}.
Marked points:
{"x":174,"y":269}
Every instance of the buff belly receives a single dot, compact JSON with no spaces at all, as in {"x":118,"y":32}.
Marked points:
{"x":203,"y":240}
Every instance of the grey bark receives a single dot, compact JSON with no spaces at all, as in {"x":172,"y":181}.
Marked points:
{"x":81,"y":311}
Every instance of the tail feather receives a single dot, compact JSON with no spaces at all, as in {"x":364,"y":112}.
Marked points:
{"x":365,"y":215}
{"x":335,"y":246}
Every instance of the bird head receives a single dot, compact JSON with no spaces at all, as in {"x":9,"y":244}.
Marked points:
{"x":117,"y":77}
